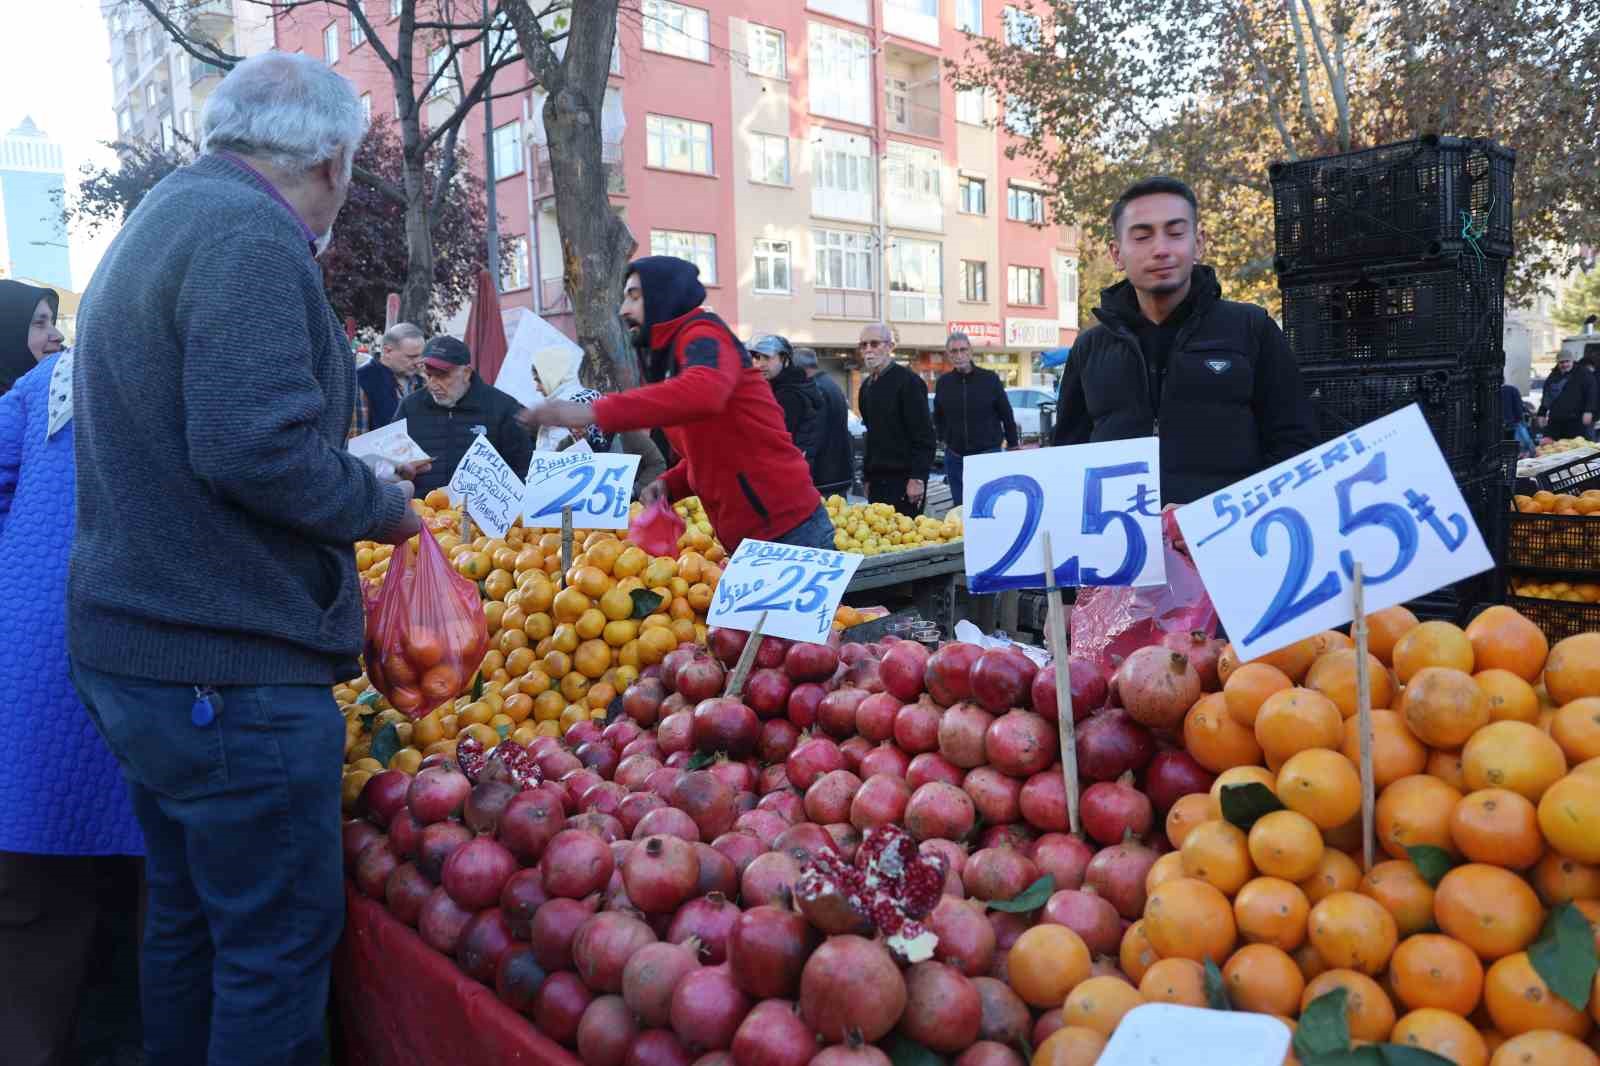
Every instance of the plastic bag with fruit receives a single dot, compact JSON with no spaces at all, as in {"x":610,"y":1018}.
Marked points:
{"x":656,"y":529}
{"x":426,"y":631}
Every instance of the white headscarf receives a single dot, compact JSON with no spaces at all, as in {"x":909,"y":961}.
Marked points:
{"x":59,"y":409}
{"x":557,"y":366}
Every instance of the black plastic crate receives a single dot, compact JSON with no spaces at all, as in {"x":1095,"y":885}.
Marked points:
{"x":1461,"y":407}
{"x":1486,"y":489}
{"x":1558,"y":619}
{"x":1576,"y":476}
{"x":1448,"y":310}
{"x":1555,"y":543}
{"x":1435,"y":196}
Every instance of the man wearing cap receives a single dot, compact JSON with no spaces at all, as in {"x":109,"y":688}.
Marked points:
{"x":1567,"y":407}
{"x":454,"y":407}
{"x":795,"y":393}
{"x":834,"y":470}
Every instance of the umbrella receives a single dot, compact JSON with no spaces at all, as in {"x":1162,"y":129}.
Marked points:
{"x":486,"y":332}
{"x":1054,"y":357}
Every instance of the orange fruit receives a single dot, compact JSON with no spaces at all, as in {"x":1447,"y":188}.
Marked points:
{"x":1248,"y":687}
{"x":1322,"y":785}
{"x":1430,"y":970}
{"x":1337,"y":872}
{"x":1168,"y":867}
{"x":1311,"y":964}
{"x":1432,"y":644}
{"x":1395,"y":752}
{"x":1559,"y":879}
{"x":1498,"y":826}
{"x":1443,"y":706}
{"x":1215,"y":739}
{"x":1264,"y":979}
{"x":1569,"y":817}
{"x":1330,"y":640}
{"x":569,"y":605}
{"x":1270,"y":910}
{"x":1446,"y":766}
{"x":1070,"y":1046}
{"x":1353,"y":932}
{"x":1188,"y":919}
{"x":1294,"y":660}
{"x":1218,"y":853}
{"x":1492,"y":911}
{"x":565,"y":638}
{"x":1135,"y":954}
{"x":1415,"y":810}
{"x":1572,"y":671}
{"x":1384,"y":630}
{"x":1515,"y":756}
{"x":1243,"y":775}
{"x":1296,"y":719}
{"x":1447,"y":1035}
{"x":1576,"y":727}
{"x":1188,"y":812}
{"x":1046,"y":963}
{"x":1227,"y":663}
{"x":1285,"y":844}
{"x":1510,"y":697}
{"x":1367,"y":1008}
{"x":1398,"y":886}
{"x":592,"y":659}
{"x":1181,"y":981}
{"x":1502,"y":639}
{"x":1519,"y":1001}
{"x":1334,"y":675}
{"x":1544,"y":1047}
{"x":1099,"y":1004}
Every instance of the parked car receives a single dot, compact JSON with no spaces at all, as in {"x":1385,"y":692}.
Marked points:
{"x":1026,"y":403}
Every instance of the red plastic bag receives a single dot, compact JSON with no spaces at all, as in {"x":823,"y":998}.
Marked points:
{"x":426,"y":631}
{"x":656,"y":529}
{"x":1109,"y":624}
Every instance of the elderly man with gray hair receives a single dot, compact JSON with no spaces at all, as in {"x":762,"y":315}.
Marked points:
{"x":212,"y":596}
{"x":388,"y":379}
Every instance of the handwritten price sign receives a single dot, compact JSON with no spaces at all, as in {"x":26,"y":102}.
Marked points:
{"x":1101,"y":504}
{"x":597,"y":486}
{"x":1277,"y":552}
{"x":491,"y":488}
{"x":797,"y":588}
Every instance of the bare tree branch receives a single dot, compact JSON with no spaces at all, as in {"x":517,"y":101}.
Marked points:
{"x":1308,"y":107}
{"x":1268,"y":89}
{"x":1336,"y":84}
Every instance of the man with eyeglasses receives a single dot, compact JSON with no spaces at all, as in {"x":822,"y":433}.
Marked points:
{"x":971,"y":411}
{"x":893,"y":403}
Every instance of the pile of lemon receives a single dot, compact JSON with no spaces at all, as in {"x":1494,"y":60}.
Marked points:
{"x":877,"y":528}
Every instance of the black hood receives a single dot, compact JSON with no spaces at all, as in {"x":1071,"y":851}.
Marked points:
{"x":17,"y":303}
{"x":1120,"y":303}
{"x":671,"y":289}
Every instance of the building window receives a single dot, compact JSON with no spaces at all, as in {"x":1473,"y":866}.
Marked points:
{"x":769,"y":159}
{"x":969,"y":16}
{"x":843,"y":175}
{"x":150,"y":95}
{"x":840,"y":69}
{"x":974,"y":281}
{"x":508,"y":150}
{"x":1022,"y":118}
{"x":394,"y":8}
{"x":972,"y":107}
{"x":503,"y":43}
{"x":1024,"y":204}
{"x":1022,"y":29}
{"x":974,"y":195}
{"x":698,"y":248}
{"x":677,"y":144}
{"x":122,"y":120}
{"x":446,"y":85}
{"x":358,"y":36}
{"x":676,"y":30}
{"x":772,"y":266}
{"x":844,"y":260}
{"x":1067,"y":291}
{"x":916,"y":19}
{"x":366,"y":107}
{"x":912,"y":186}
{"x":168,"y":134}
{"x":1025,"y":286}
{"x":516,"y":267}
{"x":769,"y":52}
{"x":852,"y":10}
{"x":916,"y":281}
{"x":330,"y":43}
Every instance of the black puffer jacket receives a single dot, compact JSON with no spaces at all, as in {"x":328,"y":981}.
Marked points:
{"x":1231,"y":401}
{"x":447,"y":432}
{"x":834,"y":470}
{"x":971,"y":412}
{"x":900,"y":441}
{"x":801,"y":401}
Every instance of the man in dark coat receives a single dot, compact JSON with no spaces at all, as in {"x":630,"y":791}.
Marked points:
{"x":1570,"y":398}
{"x":835,"y":470}
{"x":1213,"y":379}
{"x":900,"y":442}
{"x":457,"y":405}
{"x":971,"y":412}
{"x":797,"y":394}
{"x":387,"y":380}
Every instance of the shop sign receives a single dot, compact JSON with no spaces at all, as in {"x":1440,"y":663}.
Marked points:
{"x":981,"y":334}
{"x":1032,"y":333}
{"x":792,"y":591}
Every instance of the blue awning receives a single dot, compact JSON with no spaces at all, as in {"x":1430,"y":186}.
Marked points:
{"x":1054,"y":357}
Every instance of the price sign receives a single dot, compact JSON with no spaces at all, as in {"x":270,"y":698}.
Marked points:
{"x":1166,"y":1034}
{"x":598,"y":486}
{"x":1100,"y":502}
{"x":797,"y":588}
{"x":1381,"y":495}
{"x":390,"y":443}
{"x":491,"y":488}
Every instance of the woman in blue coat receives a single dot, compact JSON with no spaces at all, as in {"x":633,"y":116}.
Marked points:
{"x":64,"y":809}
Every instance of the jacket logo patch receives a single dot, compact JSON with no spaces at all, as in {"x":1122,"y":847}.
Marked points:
{"x":1218,"y":366}
{"x":702,"y":351}
{"x":478,"y":431}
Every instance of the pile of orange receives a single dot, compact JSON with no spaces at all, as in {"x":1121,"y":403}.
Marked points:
{"x":1486,"y":746}
{"x":1546,"y":502}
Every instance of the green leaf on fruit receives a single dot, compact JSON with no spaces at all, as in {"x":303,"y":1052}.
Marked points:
{"x":385,"y":742}
{"x":1324,"y":1029}
{"x":1402,"y":1055}
{"x":477,"y":686}
{"x":1027,"y":1048}
{"x":1431,"y":862}
{"x":645,"y":602}
{"x":700,"y":760}
{"x":903,"y":1052}
{"x":1244,"y":805}
{"x":1564,"y":955}
{"x":1031,"y":898}
{"x":1216,"y":990}
{"x":369,"y":698}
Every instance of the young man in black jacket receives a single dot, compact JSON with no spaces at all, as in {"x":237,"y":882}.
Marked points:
{"x":971,"y":412}
{"x":834,"y":470}
{"x":1570,"y":397}
{"x":456,"y":406}
{"x":900,"y":442}
{"x":797,"y":394}
{"x":1170,"y":357}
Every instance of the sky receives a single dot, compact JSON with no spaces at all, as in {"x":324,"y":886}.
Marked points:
{"x":55,"y":65}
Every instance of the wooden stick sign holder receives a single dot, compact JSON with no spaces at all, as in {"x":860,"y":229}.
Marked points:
{"x":1358,"y":633}
{"x":566,"y":543}
{"x":747,"y":659}
{"x":1056,"y":631}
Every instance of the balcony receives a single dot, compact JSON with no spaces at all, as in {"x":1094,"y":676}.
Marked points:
{"x":911,"y":92}
{"x":916,"y":307}
{"x":858,"y":304}
{"x":610,"y":158}
{"x":204,"y":75}
{"x":917,"y":20}
{"x":553,"y":297}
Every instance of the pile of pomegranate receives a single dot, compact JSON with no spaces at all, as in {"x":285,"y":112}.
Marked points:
{"x":801,"y":874}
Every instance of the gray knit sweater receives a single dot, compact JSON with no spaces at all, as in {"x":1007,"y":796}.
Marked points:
{"x":216,"y":503}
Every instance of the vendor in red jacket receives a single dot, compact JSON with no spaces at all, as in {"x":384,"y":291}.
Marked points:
{"x":717,"y":410}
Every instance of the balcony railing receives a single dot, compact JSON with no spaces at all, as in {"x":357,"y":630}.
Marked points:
{"x":610,"y":158}
{"x":905,"y":116}
{"x":553,"y":296}
{"x":859,"y":304}
{"x":200,"y":71}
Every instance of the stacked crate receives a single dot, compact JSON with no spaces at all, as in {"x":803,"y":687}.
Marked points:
{"x":1392,"y":266}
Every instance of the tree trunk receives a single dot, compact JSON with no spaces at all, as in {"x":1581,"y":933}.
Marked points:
{"x":416,"y":293}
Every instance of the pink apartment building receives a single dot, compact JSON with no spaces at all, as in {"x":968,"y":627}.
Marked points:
{"x":811,"y":155}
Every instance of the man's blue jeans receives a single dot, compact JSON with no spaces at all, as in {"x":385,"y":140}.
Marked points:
{"x":241,"y":821}
{"x":814,"y":532}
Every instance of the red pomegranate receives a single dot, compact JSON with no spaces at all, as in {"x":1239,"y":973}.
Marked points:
{"x":851,"y":985}
{"x":1157,"y":687}
{"x":1001,"y":680}
{"x":948,"y":674}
